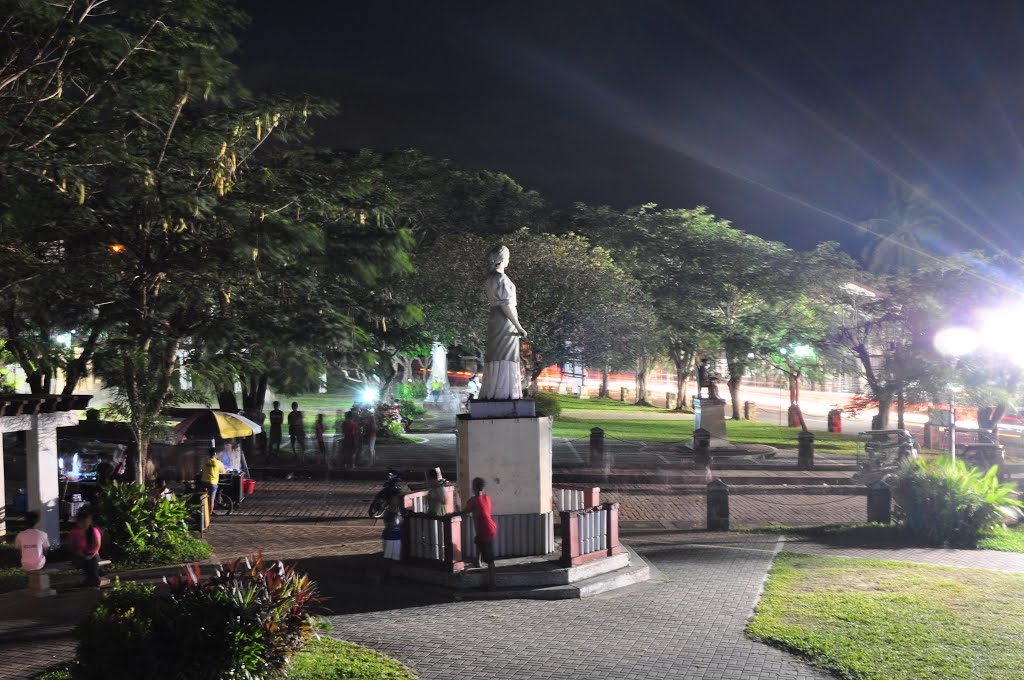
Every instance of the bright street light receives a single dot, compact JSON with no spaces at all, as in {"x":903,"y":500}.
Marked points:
{"x":955,"y":342}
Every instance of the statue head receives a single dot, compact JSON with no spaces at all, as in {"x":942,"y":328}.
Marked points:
{"x":497,"y":256}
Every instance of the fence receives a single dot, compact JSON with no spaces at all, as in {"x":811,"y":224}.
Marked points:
{"x":416,"y":501}
{"x":568,"y":497}
{"x":590,"y":533}
{"x":433,"y":540}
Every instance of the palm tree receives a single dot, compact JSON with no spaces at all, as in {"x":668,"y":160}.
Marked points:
{"x":904,"y":235}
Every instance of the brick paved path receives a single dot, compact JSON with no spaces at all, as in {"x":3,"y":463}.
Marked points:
{"x":689,"y":624}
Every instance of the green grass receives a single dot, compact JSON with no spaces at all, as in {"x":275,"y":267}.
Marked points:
{"x":604,"y":405}
{"x":740,"y":432}
{"x":1007,"y":540}
{"x":327,"y":659}
{"x":880,"y":620}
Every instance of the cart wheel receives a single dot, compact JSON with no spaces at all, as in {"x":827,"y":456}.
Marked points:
{"x":222,"y":505}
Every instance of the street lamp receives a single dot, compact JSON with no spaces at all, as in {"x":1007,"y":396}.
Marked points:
{"x":955,"y":342}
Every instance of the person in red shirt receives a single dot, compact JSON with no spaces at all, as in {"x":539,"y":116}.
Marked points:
{"x":85,"y":542}
{"x":349,"y":439}
{"x":486,"y":529}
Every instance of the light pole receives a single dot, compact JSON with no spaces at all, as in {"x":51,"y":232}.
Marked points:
{"x":955,"y":342}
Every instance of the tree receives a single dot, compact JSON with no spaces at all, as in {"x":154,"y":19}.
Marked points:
{"x":903,"y":236}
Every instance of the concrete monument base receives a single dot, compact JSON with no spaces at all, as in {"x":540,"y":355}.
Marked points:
{"x":709,"y":414}
{"x":513,"y":455}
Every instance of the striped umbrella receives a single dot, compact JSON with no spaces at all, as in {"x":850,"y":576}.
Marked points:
{"x":215,"y":425}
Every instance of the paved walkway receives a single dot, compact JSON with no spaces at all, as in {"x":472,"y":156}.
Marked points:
{"x":687,"y":623}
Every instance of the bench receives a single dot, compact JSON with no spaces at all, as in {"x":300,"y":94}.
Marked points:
{"x":39,"y":580}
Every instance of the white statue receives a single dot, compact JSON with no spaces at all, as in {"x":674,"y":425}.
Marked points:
{"x":501,"y":358}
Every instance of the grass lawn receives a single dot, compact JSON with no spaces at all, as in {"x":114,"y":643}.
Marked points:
{"x":874,"y":619}
{"x":328,"y":659}
{"x":604,"y":405}
{"x":740,"y":432}
{"x":1007,"y":540}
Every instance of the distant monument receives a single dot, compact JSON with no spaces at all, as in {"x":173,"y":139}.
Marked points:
{"x":709,"y":411}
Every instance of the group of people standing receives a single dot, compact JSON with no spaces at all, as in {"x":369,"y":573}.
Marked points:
{"x":357,"y":430}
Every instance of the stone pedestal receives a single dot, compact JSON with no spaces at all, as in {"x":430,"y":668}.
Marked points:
{"x":507,"y":444}
{"x":709,"y":414}
{"x":513,"y":455}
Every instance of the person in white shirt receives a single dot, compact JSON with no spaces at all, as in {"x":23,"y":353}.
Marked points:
{"x":33,"y":544}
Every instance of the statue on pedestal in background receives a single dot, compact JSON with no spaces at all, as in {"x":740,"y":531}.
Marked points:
{"x":502,"y":379}
{"x":706,"y":380}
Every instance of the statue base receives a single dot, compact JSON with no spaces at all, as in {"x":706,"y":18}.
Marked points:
{"x":513,"y":454}
{"x":503,"y":408}
{"x":709,"y":414}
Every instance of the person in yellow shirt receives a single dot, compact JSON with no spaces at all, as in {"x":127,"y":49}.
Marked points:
{"x":212,"y":470}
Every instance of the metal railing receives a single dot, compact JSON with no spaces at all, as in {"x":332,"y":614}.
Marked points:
{"x":433,"y":540}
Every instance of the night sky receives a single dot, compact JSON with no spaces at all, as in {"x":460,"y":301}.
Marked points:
{"x":789,"y":118}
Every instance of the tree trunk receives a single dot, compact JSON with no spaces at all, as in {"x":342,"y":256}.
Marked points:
{"x":642,"y":368}
{"x":734,"y":394}
{"x":603,"y":391}
{"x":881,"y":419}
{"x":900,"y":410}
{"x":227,"y":401}
{"x":683,"y":364}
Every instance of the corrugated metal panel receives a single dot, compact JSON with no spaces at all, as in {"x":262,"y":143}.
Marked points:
{"x":518,"y":535}
{"x":593,"y":531}
{"x":426,"y":538}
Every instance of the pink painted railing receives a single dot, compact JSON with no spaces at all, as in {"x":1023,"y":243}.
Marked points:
{"x":416,"y":501}
{"x":432,"y":540}
{"x":590,"y":533}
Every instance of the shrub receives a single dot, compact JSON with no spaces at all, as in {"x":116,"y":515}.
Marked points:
{"x":548,"y":404}
{"x":244,"y":621}
{"x":415,"y":389}
{"x":944,"y":502}
{"x":143,"y":531}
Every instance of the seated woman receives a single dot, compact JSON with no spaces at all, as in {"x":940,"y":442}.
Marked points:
{"x":85,"y":548}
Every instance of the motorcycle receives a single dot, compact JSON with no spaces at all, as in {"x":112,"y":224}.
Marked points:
{"x":386,"y":496}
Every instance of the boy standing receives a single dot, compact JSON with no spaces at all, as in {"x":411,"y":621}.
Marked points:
{"x":32,"y":543}
{"x":486,"y":529}
{"x":297,"y":430}
{"x":276,"y":423}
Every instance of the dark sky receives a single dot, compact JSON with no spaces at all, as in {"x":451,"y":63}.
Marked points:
{"x":787,"y":117}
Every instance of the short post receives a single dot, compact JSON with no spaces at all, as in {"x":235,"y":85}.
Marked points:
{"x":453,"y":543}
{"x":669,"y":398}
{"x":612,"y":510}
{"x":927,"y":441}
{"x":570,"y":537}
{"x":749,"y":410}
{"x":701,"y":448}
{"x":622,"y":394}
{"x":596,"y":447}
{"x":879,"y":503}
{"x":805,"y":450}
{"x":592,"y":497}
{"x":718,"y":506}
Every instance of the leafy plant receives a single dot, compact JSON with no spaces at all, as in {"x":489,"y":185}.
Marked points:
{"x":548,"y":404}
{"x":243,"y":621}
{"x":415,"y":389}
{"x":945,"y":502}
{"x":141,"y":530}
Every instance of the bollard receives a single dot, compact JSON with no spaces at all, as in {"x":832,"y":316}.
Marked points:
{"x":596,"y":447}
{"x":879,"y":503}
{"x":718,"y":506}
{"x":749,"y":410}
{"x":701,"y":448}
{"x":623,"y":392}
{"x":835,"y":420}
{"x":669,"y":396}
{"x":927,"y":441}
{"x":805,"y":451}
